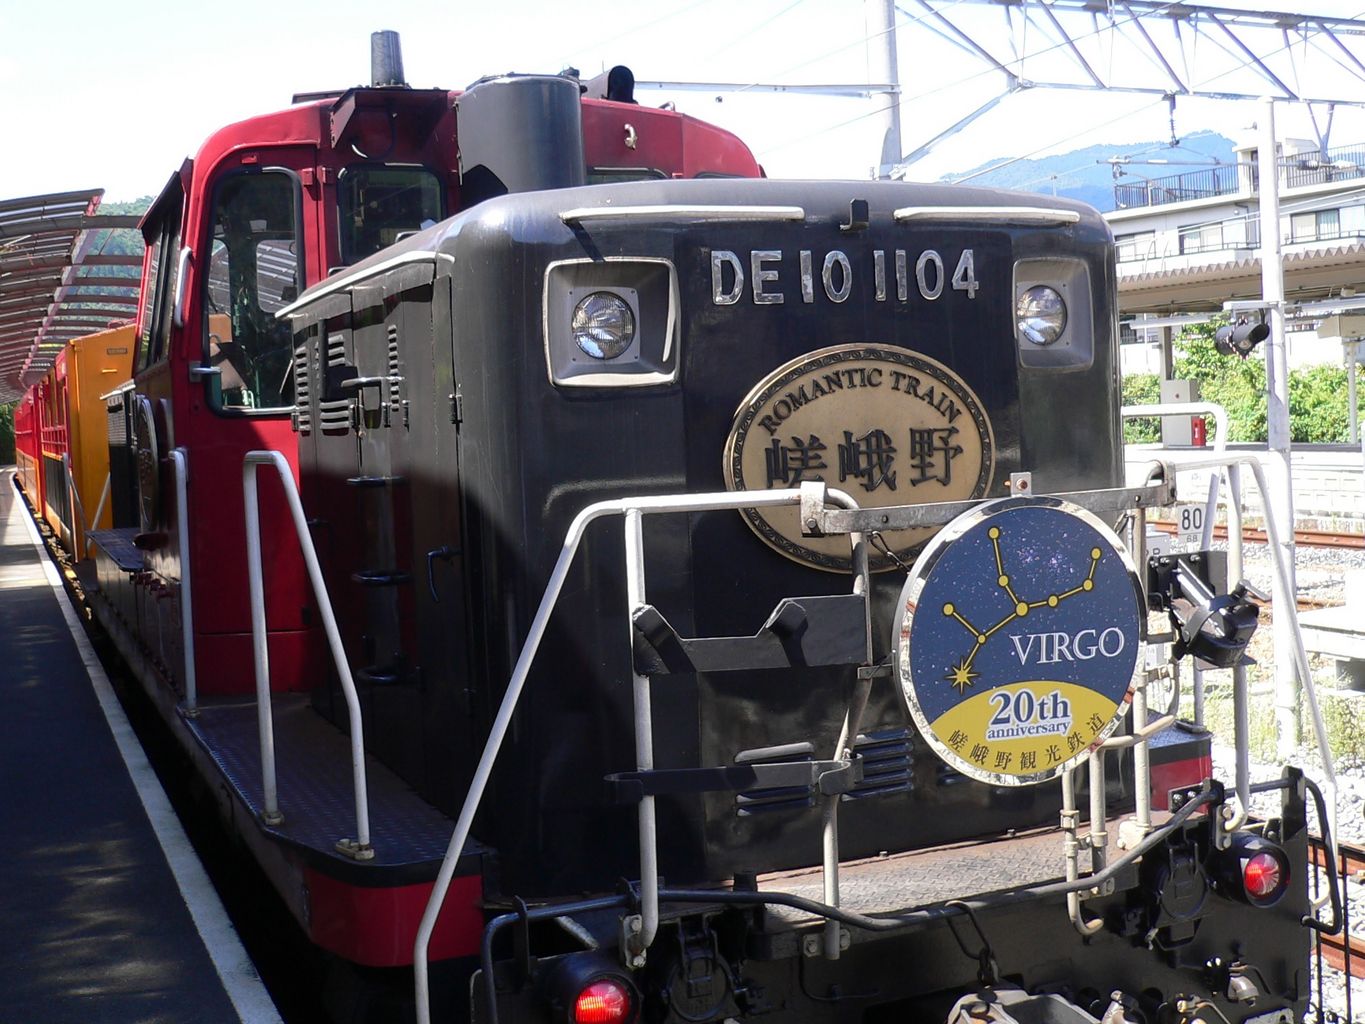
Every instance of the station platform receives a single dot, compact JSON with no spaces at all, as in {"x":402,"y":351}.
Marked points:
{"x":109,"y":917}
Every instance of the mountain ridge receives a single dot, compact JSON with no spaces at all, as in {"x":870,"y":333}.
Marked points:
{"x":1085,"y":174}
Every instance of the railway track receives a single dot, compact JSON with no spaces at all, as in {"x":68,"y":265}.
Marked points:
{"x":1343,"y":951}
{"x":1307,"y":538}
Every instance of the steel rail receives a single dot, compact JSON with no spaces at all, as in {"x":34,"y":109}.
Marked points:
{"x":1307,"y":538}
{"x":1343,"y":951}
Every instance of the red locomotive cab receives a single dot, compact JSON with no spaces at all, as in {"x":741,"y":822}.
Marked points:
{"x":623,"y":141}
{"x":266,"y":208}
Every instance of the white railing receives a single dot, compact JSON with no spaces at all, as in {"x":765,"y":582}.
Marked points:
{"x":1220,"y":443}
{"x":1285,"y":605}
{"x":632,"y":509}
{"x":360,"y":848}
{"x":180,"y":462}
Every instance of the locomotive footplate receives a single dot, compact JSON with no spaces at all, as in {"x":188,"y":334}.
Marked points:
{"x":315,"y":787}
{"x":920,"y":878}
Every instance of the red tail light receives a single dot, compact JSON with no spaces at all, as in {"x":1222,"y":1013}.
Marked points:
{"x":589,"y":988}
{"x":605,"y":1001}
{"x":1253,"y":870}
{"x":1261,"y":876}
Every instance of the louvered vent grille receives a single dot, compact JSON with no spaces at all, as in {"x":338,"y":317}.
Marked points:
{"x":336,"y":349}
{"x":887,"y":761}
{"x":785,"y":798}
{"x":303,"y":413}
{"x":117,"y":420}
{"x":334,"y":415}
{"x":395,"y":398}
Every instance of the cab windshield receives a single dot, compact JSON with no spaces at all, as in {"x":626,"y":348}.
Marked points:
{"x":377,"y":204}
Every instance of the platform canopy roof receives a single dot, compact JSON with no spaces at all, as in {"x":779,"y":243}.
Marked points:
{"x":65,"y":272}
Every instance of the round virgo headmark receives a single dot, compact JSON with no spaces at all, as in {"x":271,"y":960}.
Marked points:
{"x":1018,"y":638}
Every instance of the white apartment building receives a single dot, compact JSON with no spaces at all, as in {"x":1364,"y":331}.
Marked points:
{"x":1189,"y":242}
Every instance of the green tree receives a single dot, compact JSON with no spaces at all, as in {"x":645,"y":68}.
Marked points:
{"x":1238,"y":385}
{"x":1317,"y":394}
{"x":1142,"y":389}
{"x":6,"y":434}
{"x":1317,"y":405}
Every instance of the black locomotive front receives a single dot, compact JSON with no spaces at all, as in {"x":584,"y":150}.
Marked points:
{"x":476,"y":387}
{"x":768,"y":320}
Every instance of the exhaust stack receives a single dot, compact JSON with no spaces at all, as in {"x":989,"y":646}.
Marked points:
{"x":386,"y":60}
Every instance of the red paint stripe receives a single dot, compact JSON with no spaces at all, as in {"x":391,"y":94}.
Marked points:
{"x":1178,"y":775}
{"x":376,"y":927}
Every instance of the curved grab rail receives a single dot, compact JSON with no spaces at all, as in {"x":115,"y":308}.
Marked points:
{"x":1220,"y":419}
{"x":180,"y":461}
{"x":632,"y":509}
{"x":1220,"y":441}
{"x":1285,"y":598}
{"x":360,"y":849}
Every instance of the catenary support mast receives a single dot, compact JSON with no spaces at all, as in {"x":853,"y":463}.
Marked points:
{"x":1280,"y":507}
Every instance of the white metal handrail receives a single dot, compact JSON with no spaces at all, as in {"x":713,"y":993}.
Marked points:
{"x":632,"y":509}
{"x":1241,"y":728}
{"x":1220,"y":441}
{"x":75,"y":511}
{"x":1284,"y":598}
{"x":99,"y":509}
{"x":180,"y":462}
{"x":360,"y":848}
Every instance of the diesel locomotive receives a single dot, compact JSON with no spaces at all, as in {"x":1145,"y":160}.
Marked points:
{"x":684,"y":596}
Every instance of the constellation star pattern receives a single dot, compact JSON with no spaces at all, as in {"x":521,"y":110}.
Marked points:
{"x":961,"y":675}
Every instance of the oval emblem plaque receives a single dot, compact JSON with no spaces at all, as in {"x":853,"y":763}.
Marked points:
{"x":1017,"y":639}
{"x":887,"y":425}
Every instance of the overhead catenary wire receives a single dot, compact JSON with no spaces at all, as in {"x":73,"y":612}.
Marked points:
{"x":946,"y":87}
{"x":1110,"y":27}
{"x":745,"y":36}
{"x":1041,"y":149}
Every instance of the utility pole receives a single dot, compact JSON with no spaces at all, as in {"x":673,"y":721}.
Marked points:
{"x":1280,"y":502}
{"x":885,"y":69}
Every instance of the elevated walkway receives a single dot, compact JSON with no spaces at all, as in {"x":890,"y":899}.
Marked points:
{"x":109,"y":916}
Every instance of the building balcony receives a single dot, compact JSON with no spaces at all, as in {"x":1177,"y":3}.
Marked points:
{"x":1299,"y":170}
{"x":1219,"y":180}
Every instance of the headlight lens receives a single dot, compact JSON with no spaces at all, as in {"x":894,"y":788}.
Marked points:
{"x":1041,"y":315}
{"x":603,"y":325}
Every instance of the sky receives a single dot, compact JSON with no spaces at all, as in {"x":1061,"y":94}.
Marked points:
{"x":116,"y":96}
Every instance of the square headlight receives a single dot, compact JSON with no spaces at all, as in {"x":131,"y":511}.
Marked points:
{"x":611,"y":323}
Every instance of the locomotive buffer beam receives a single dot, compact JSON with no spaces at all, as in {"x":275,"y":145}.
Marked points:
{"x":827,"y":777}
{"x":802,"y":632}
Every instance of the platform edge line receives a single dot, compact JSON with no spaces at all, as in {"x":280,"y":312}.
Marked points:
{"x":236,"y":971}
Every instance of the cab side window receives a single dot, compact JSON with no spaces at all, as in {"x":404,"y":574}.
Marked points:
{"x":159,"y":289}
{"x":377,"y":205}
{"x":253,"y":273}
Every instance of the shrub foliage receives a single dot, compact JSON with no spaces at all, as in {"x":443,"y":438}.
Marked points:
{"x":1317,"y":394}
